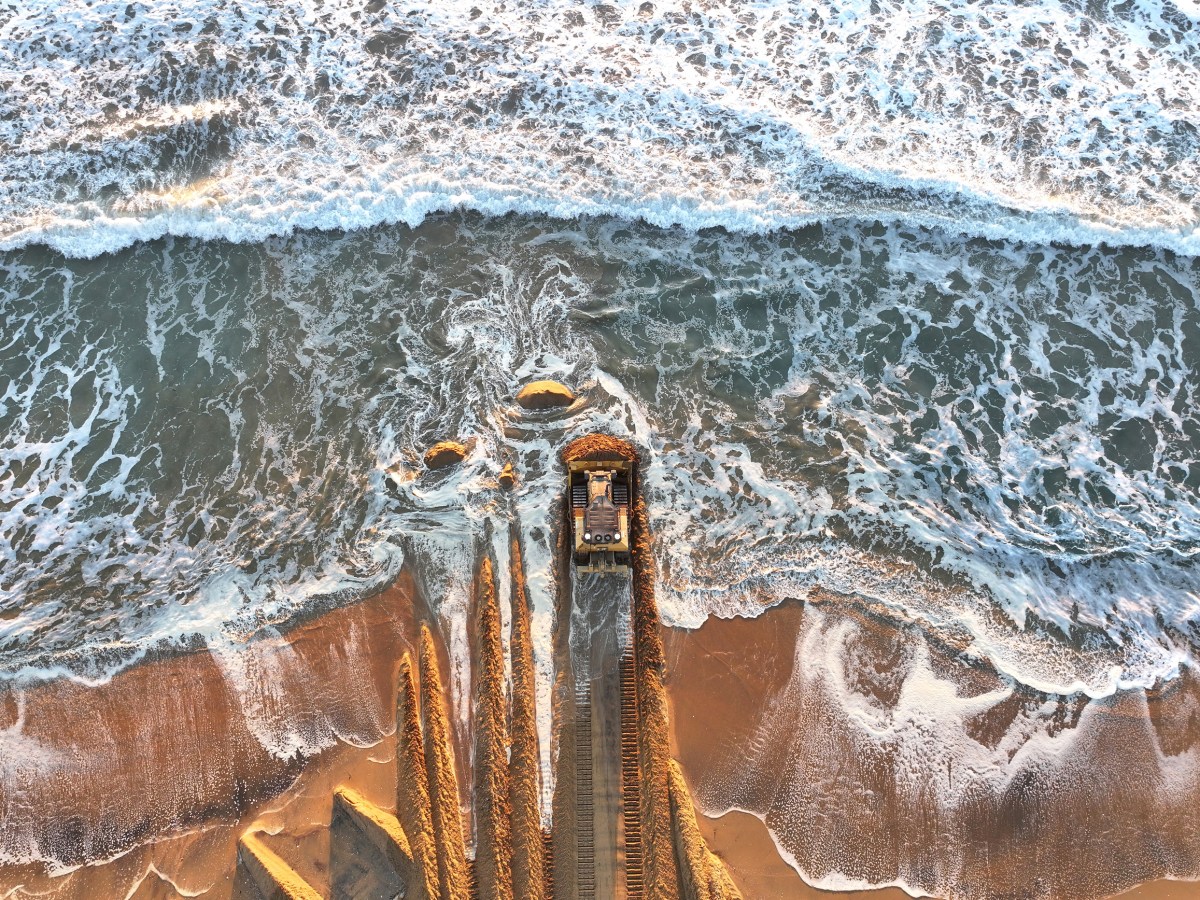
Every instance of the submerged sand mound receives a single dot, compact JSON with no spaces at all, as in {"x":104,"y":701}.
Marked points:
{"x":507,"y":477}
{"x":545,"y":395}
{"x":444,"y":454}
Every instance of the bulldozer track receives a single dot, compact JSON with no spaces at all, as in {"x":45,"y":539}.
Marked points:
{"x":472,"y":881}
{"x":585,"y":825}
{"x":548,"y":861}
{"x":630,"y":770}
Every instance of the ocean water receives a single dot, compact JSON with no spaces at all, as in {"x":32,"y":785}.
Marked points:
{"x":899,"y":297}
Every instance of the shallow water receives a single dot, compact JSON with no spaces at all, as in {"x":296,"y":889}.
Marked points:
{"x":199,"y":435}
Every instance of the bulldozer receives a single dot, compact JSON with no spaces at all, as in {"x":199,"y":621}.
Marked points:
{"x":598,"y":492}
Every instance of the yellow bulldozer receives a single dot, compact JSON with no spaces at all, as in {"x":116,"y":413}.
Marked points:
{"x":598,"y":491}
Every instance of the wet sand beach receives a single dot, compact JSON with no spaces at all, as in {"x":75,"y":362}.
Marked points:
{"x":1067,"y":798}
{"x":175,"y":768}
{"x":165,"y":765}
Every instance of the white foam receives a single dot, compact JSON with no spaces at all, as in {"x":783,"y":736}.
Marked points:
{"x":749,"y":505}
{"x":1033,"y":123}
{"x":961,"y":464}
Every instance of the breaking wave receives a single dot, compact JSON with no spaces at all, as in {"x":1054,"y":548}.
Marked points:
{"x":1045,"y":122}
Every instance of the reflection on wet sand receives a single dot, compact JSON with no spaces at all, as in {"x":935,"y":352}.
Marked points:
{"x":876,"y":752}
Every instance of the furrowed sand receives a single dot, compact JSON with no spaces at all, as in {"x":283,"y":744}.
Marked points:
{"x":156,"y":773}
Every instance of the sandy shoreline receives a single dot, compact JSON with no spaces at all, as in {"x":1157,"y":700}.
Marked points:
{"x":164,"y":766}
{"x":1080,"y":808}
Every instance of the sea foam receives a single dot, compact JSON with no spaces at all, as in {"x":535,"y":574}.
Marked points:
{"x":1043,"y":122}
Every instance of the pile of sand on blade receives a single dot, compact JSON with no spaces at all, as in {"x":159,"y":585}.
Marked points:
{"x":453,"y":880}
{"x":599,"y":446}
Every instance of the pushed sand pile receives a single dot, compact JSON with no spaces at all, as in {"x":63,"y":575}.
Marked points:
{"x":654,"y":748}
{"x":369,"y":853}
{"x":599,"y":446}
{"x":545,"y":395}
{"x":453,"y":878}
{"x":262,"y":875}
{"x":493,"y":815}
{"x":702,"y":876}
{"x":677,"y":861}
{"x":413,"y":808}
{"x":444,"y":454}
{"x":525,"y":761}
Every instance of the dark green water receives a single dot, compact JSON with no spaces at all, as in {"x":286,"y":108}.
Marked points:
{"x":197,"y":436}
